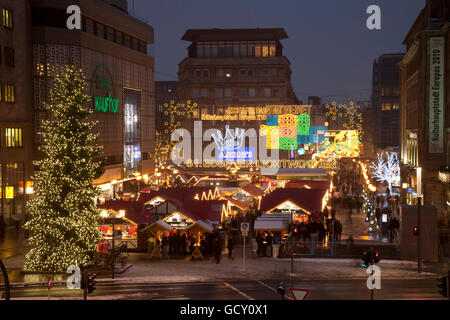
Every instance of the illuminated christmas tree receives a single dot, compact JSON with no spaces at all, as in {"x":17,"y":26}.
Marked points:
{"x":369,"y":210}
{"x":64,"y":216}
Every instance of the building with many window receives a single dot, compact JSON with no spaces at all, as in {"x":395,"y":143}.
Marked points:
{"x":386,"y":99}
{"x":111,"y":49}
{"x":233,"y":75}
{"x":425,"y":106}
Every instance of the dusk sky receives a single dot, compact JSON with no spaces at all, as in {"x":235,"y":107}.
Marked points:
{"x":329,"y":46}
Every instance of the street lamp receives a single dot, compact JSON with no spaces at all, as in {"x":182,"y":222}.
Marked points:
{"x":419,"y":203}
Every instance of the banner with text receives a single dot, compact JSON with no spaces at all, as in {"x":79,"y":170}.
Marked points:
{"x":436,"y":111}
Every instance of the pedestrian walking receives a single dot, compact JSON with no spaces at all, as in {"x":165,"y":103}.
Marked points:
{"x":151,"y":244}
{"x":230,"y":248}
{"x":217,"y":248}
{"x":259,"y":241}
{"x":165,"y":246}
{"x":16,"y":219}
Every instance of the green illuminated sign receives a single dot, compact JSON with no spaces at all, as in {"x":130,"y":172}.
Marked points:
{"x":102,"y":81}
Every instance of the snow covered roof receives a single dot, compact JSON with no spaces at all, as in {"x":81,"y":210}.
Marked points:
{"x":273,"y":222}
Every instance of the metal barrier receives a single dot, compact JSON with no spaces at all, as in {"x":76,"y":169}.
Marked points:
{"x":336,"y":248}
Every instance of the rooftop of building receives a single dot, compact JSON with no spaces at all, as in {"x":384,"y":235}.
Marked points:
{"x":235,"y":34}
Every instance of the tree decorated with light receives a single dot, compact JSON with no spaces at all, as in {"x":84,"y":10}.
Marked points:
{"x":369,"y":210}
{"x":386,"y":170}
{"x":64,"y":216}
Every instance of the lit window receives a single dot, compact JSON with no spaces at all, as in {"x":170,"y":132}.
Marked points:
{"x":385,"y":106}
{"x":7,"y":18}
{"x":395,"y":106}
{"x":14,"y":138}
{"x":9,"y":93}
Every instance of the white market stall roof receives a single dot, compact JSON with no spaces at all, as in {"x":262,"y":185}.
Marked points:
{"x":200,"y":225}
{"x":158,"y":226}
{"x":273,"y":222}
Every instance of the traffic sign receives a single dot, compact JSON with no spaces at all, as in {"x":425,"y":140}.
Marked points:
{"x":300,"y":294}
{"x":244,"y":226}
{"x":244,"y":233}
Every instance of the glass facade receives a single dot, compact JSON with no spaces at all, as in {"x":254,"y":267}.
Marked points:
{"x":132,"y":158}
{"x":236,"y":49}
{"x":12,"y":190}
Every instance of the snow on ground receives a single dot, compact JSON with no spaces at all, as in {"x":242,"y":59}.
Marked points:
{"x":179,"y":270}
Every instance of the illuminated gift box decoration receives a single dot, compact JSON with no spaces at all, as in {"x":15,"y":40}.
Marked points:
{"x":272,"y":120}
{"x":288,"y":143}
{"x":287,"y":120}
{"x":272,"y":134}
{"x":303,"y":124}
{"x":288,"y":132}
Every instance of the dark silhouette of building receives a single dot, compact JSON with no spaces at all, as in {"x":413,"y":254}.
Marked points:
{"x":386,"y":100}
{"x":425,"y":105}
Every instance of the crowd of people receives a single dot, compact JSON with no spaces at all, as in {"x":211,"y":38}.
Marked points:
{"x":178,"y":244}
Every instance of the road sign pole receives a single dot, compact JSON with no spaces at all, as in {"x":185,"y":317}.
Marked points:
{"x":244,"y":252}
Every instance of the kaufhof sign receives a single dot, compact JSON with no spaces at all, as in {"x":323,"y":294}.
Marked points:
{"x":102,"y":90}
{"x":436,"y":102}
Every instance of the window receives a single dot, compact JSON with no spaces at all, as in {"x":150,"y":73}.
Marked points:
{"x":14,"y":138}
{"x":395,"y":106}
{"x":266,"y":74}
{"x":195,"y":93}
{"x":89,"y":26}
{"x":198,"y":75}
{"x":275,"y":93}
{"x":119,"y":37}
{"x":109,"y":33}
{"x":251,"y":92}
{"x":243,"y":92}
{"x":205,"y":75}
{"x":127,"y":41}
{"x":220,"y":111}
{"x":219,"y":93}
{"x":7,"y":19}
{"x":227,"y":92}
{"x":385,"y":106}
{"x":9,"y":93}
{"x":99,"y":30}
{"x":204,"y":93}
{"x":1,"y":92}
{"x":9,"y":57}
{"x":135,"y":44}
{"x":142,"y":47}
{"x":258,"y":49}
{"x":267,"y":92}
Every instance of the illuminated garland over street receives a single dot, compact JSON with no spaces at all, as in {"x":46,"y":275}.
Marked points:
{"x":64,"y":216}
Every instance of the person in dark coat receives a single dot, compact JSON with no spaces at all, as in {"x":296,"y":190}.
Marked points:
{"x":171,"y":245}
{"x":230,"y":248}
{"x":259,"y":241}
{"x":217,"y":248}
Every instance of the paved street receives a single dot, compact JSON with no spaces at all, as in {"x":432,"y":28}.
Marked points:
{"x":243,"y":290}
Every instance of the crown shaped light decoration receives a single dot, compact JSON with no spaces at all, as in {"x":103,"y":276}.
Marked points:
{"x":230,"y":141}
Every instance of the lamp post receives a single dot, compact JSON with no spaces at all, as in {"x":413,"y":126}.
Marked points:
{"x":419,"y":203}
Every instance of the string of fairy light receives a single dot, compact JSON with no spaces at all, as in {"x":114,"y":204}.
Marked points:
{"x":63,"y":216}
